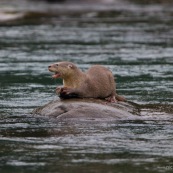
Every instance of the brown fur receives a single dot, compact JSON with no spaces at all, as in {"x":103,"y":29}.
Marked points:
{"x":96,"y":82}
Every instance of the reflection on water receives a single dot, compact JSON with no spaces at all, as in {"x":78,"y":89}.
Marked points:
{"x":134,"y":41}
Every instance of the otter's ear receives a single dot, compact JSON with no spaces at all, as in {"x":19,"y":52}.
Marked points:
{"x":70,"y":66}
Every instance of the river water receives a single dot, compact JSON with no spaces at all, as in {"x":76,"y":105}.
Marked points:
{"x":134,"y":41}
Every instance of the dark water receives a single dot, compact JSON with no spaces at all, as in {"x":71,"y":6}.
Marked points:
{"x":134,"y":41}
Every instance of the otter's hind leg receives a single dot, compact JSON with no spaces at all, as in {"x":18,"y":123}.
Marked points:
{"x":111,"y":99}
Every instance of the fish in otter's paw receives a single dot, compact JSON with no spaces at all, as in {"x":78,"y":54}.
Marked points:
{"x":96,"y":82}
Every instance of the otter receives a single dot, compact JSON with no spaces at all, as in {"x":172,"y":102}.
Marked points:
{"x":96,"y":82}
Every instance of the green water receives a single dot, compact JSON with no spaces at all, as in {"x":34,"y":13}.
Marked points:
{"x":135,"y":42}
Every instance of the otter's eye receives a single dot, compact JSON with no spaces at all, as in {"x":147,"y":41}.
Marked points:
{"x":56,"y":64}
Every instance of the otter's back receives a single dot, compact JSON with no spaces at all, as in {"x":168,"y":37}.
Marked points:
{"x":101,"y":80}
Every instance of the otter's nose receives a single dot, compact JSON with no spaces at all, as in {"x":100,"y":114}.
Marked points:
{"x":49,"y":66}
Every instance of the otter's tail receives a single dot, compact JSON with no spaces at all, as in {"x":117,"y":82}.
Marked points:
{"x":120,"y":98}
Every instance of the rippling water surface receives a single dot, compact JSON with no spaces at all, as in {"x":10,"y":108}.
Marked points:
{"x":135,"y":42}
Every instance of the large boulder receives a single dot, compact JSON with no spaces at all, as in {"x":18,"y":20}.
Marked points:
{"x":87,"y":109}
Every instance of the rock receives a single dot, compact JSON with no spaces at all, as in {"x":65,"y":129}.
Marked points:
{"x":87,"y":109}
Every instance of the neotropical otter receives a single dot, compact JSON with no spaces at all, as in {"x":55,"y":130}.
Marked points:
{"x":97,"y":82}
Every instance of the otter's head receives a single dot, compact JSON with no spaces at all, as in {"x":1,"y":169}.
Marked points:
{"x":62,"y":69}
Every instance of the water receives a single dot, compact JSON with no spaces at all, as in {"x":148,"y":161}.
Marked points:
{"x":134,"y":41}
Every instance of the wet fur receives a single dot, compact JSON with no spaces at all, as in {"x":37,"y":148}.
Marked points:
{"x":96,"y":82}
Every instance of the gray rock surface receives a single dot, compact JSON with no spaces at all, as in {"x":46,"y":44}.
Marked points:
{"x":87,"y":109}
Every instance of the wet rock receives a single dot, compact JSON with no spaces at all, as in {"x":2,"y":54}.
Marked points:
{"x":88,"y":109}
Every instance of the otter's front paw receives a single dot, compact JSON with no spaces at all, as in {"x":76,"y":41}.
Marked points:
{"x":66,"y":90}
{"x":59,"y":90}
{"x":67,"y":93}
